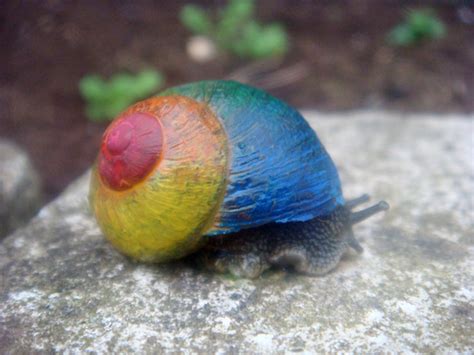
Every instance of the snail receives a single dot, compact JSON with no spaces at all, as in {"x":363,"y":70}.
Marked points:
{"x":225,"y":170}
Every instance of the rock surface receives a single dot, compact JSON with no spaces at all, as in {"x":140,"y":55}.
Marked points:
{"x":64,"y":288}
{"x":20,"y":192}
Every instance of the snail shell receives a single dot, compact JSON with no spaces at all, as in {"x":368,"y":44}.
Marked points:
{"x":205,"y":159}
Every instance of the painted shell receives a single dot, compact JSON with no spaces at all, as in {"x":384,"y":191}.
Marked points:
{"x":205,"y":159}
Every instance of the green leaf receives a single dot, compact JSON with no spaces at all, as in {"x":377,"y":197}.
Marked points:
{"x":195,"y":19}
{"x":235,"y":16}
{"x":121,"y":85}
{"x":419,"y":25}
{"x":91,"y":87}
{"x":238,"y":32}
{"x":426,"y":24}
{"x":259,"y":42}
{"x":105,"y":100}
{"x":243,"y":47}
{"x":238,"y":10}
{"x":402,"y":35}
{"x":116,"y":106}
{"x":271,"y":41}
{"x":149,"y":80}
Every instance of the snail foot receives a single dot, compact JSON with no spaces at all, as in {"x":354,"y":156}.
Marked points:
{"x":241,"y":265}
{"x":313,"y":247}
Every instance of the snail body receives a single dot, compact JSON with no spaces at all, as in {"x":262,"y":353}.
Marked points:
{"x":207,"y":160}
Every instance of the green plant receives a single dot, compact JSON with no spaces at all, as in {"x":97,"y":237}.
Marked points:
{"x":106,"y":99}
{"x":419,"y":25}
{"x":236,"y":30}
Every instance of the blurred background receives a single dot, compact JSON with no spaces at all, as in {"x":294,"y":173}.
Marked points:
{"x":67,"y":67}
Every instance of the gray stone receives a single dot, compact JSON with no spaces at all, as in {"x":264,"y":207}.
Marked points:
{"x":64,"y":288}
{"x":20,"y":192}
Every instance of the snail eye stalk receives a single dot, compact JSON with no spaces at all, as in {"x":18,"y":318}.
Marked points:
{"x":350,"y":204}
{"x":359,"y":216}
{"x":131,"y":148}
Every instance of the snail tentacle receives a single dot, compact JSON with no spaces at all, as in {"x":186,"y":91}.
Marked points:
{"x":350,"y":204}
{"x":352,"y":242}
{"x":359,"y":216}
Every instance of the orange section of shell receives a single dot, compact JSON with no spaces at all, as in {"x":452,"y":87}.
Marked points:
{"x":164,"y":216}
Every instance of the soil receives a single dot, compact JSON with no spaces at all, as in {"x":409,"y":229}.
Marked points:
{"x":339,"y":60}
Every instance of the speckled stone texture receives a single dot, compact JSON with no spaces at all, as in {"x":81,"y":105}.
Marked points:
{"x":64,"y":288}
{"x":20,"y":190}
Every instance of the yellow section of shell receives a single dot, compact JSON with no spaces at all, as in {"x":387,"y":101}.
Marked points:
{"x":164,"y":216}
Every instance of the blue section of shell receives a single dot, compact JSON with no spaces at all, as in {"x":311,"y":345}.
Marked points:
{"x":279,"y":170}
